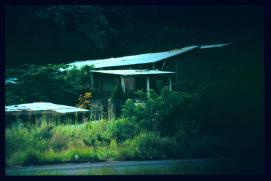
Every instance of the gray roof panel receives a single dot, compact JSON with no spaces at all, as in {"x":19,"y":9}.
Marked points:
{"x":133,"y":72}
{"x":137,"y":59}
{"x":43,"y":106}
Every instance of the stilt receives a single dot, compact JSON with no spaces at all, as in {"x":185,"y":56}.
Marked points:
{"x":99,"y":84}
{"x":148,"y":86}
{"x":123,"y":84}
{"x":92,"y":81}
{"x":170,"y":84}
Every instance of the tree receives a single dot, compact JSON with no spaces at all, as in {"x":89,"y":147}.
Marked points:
{"x":55,"y":33}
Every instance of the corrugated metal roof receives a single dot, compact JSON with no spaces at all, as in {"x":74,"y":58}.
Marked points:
{"x":213,"y":46}
{"x":137,"y":59}
{"x":133,"y":72}
{"x":43,"y":106}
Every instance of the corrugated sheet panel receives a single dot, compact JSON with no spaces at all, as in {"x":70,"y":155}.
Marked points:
{"x":214,"y":46}
{"x":131,"y":60}
{"x":139,"y":59}
{"x":133,"y":72}
{"x":43,"y":106}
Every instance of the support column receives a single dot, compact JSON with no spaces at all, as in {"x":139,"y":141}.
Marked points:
{"x":117,"y":81}
{"x":170,"y":84}
{"x":91,"y":81}
{"x":99,"y":84}
{"x":148,"y":86}
{"x":123,"y":84}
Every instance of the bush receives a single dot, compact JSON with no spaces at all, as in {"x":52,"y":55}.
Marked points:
{"x":126,"y":151}
{"x":132,"y":111}
{"x":150,"y":146}
{"x":161,"y":113}
{"x":141,"y":95}
{"x":18,"y":139}
{"x":44,"y":131}
{"x":97,"y":134}
{"x":32,"y":157}
{"x":118,"y":93}
{"x":58,"y":142}
{"x":15,"y":158}
{"x":120,"y":139}
{"x":83,"y":154}
{"x":122,"y":129}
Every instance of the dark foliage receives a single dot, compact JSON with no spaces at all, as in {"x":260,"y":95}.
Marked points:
{"x":34,"y":82}
{"x":61,"y":34}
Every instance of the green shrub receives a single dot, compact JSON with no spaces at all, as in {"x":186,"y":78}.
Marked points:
{"x":134,"y":111}
{"x":58,"y":142}
{"x":121,"y":139}
{"x":32,"y":157}
{"x":141,"y":95}
{"x":150,"y":146}
{"x":97,"y":134}
{"x":122,"y":129}
{"x":51,"y":157}
{"x":129,"y":109}
{"x":82,"y":154}
{"x":43,"y":131}
{"x":15,"y":158}
{"x":161,"y":113}
{"x":126,"y":151}
{"x":118,"y":93}
{"x":69,"y":131}
{"x":18,"y":139}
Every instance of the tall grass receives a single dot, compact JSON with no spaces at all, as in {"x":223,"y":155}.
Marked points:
{"x":92,"y":141}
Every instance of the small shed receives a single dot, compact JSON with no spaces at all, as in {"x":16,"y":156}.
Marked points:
{"x":43,"y":110}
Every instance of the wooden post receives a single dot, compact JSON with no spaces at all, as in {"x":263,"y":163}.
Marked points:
{"x":148,"y":86}
{"x":99,"y":84}
{"x":170,"y":84}
{"x":92,"y":81}
{"x":123,"y":84}
{"x":177,"y":72}
{"x":117,"y":81}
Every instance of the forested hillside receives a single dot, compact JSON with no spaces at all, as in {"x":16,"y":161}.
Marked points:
{"x":62,"y":34}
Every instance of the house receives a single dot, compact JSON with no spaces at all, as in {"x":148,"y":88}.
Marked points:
{"x":142,"y":71}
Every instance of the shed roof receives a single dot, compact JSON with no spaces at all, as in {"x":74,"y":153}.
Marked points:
{"x":43,"y":106}
{"x":133,"y":72}
{"x":138,"y":59}
{"x":213,"y":46}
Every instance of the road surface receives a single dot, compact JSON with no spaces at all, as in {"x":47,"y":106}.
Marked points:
{"x":186,"y":166}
